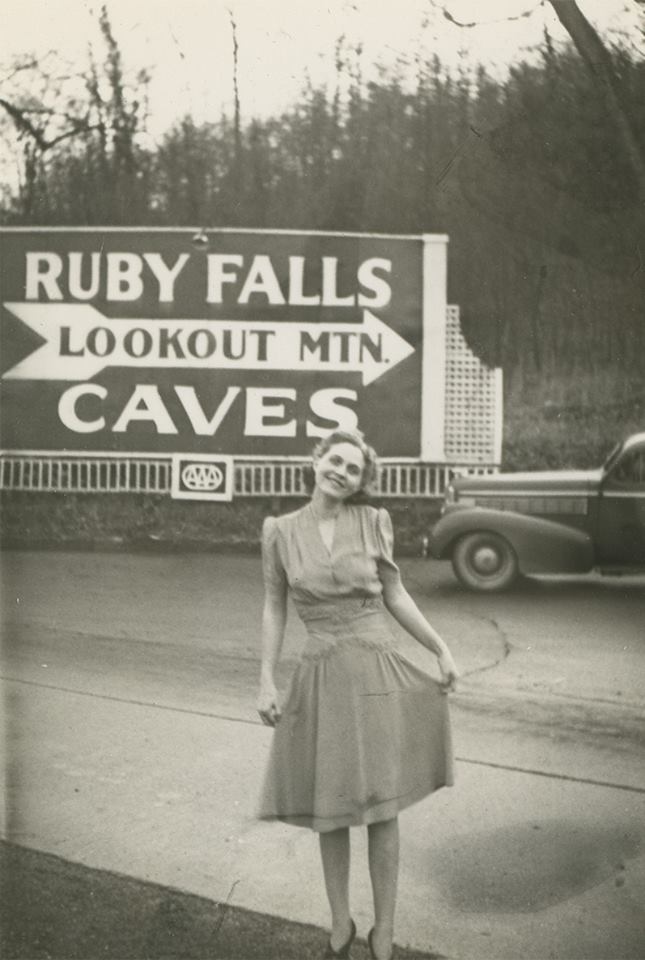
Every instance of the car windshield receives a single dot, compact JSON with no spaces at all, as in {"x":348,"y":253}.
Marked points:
{"x":613,"y":456}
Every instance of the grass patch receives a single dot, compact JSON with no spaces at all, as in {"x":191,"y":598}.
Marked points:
{"x":570,"y":422}
{"x":51,"y":908}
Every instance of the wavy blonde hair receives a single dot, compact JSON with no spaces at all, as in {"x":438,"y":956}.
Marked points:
{"x":370,"y":468}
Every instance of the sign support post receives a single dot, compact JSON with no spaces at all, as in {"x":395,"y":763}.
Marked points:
{"x":433,"y":383}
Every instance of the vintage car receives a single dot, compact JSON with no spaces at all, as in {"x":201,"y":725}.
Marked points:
{"x":494,"y":528}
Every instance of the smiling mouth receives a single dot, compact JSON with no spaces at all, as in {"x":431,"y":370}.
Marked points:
{"x":337,"y":483}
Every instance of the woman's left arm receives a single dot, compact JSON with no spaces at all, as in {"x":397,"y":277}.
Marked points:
{"x":406,"y":613}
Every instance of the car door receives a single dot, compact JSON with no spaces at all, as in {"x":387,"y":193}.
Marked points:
{"x":620,"y":536}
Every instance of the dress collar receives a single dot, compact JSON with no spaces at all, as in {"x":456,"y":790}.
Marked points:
{"x":327,"y":552}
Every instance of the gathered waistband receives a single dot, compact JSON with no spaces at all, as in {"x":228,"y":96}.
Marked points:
{"x":339,"y":608}
{"x":343,"y":624}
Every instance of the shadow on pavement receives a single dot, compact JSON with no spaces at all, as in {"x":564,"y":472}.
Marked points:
{"x":51,"y":908}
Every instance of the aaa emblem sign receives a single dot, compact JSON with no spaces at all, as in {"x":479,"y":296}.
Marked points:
{"x":250,"y":344}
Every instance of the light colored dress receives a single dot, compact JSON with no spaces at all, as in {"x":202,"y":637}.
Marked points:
{"x":364,"y":732}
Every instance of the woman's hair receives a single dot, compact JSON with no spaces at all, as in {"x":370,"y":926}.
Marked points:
{"x":370,"y":468}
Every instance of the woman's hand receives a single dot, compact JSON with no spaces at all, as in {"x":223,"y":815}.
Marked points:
{"x":449,"y":672}
{"x":268,"y":704}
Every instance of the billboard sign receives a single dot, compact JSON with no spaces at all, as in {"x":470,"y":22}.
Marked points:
{"x":232,"y":342}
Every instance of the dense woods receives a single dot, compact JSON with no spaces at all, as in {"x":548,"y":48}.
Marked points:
{"x":530,"y":178}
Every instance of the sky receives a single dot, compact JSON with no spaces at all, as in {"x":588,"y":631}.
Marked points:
{"x":187,"y":44}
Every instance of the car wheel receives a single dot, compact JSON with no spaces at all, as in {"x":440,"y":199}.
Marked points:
{"x":485,"y":561}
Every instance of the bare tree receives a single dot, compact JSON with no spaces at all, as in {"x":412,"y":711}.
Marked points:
{"x":600,"y":64}
{"x":41,"y":106}
{"x":237,"y":160}
{"x":88,"y":119}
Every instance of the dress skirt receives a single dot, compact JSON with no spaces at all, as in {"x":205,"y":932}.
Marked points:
{"x":364,"y":732}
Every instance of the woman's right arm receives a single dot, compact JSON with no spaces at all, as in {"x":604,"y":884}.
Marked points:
{"x":274,"y":618}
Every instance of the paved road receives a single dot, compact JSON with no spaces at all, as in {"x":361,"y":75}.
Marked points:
{"x":133,"y":745}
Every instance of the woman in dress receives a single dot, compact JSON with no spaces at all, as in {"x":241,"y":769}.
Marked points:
{"x":363,"y":732}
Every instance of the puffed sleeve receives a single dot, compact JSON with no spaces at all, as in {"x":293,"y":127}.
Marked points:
{"x":273,"y":571}
{"x":387,"y":568}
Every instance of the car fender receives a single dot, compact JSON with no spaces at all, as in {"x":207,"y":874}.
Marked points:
{"x":542,"y":546}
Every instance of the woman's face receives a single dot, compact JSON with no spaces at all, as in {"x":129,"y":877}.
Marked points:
{"x":339,"y":472}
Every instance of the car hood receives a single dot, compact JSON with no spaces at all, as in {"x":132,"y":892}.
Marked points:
{"x":551,"y":481}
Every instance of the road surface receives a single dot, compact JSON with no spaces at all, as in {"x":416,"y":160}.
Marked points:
{"x":133,"y":745}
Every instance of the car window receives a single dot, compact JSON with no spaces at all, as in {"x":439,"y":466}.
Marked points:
{"x":630,"y":471}
{"x":612,"y":457}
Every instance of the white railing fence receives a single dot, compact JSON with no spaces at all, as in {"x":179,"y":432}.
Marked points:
{"x":132,"y":473}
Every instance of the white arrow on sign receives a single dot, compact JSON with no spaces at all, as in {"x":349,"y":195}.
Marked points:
{"x":80,"y":342}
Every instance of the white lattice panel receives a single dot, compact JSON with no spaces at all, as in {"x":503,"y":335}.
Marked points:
{"x":473,"y":411}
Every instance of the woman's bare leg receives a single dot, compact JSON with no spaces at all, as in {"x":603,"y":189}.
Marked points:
{"x":383,"y":854}
{"x":334,"y":852}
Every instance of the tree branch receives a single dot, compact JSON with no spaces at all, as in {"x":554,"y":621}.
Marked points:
{"x":479,"y":23}
{"x":601,"y":67}
{"x":20,"y":117}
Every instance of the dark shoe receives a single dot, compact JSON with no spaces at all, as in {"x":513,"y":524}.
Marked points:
{"x":372,"y":951}
{"x":344,"y":950}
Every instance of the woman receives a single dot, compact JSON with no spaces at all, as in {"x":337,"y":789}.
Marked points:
{"x":364,"y":732}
